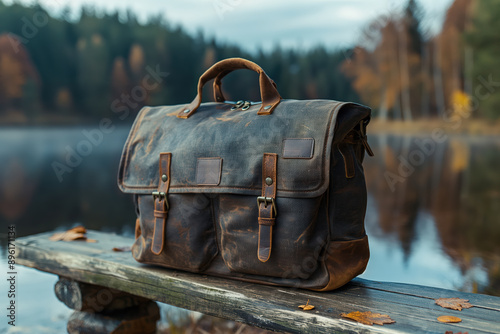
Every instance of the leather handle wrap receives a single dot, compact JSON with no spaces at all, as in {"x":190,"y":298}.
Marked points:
{"x":268,"y":92}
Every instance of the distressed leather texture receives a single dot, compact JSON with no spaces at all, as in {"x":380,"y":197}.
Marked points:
{"x":272,"y":196}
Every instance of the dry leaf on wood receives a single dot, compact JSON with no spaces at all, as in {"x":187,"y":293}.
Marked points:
{"x":78,"y":229}
{"x":122,"y":249}
{"x":307,"y":306}
{"x":76,"y":233}
{"x":369,"y":318}
{"x":448,"y":318}
{"x":454,"y":303}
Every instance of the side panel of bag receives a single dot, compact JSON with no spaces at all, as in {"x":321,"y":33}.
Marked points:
{"x":348,"y":253}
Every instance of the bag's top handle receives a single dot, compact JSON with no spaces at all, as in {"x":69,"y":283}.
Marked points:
{"x":217,"y":87}
{"x":268,"y":92}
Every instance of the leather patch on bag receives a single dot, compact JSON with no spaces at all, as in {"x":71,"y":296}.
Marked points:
{"x":208,"y":171}
{"x":298,"y":148}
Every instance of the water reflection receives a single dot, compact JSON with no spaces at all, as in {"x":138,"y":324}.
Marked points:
{"x":432,"y":216}
{"x":36,"y":200}
{"x":435,"y":211}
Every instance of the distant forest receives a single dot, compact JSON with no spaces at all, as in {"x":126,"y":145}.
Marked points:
{"x":57,"y":68}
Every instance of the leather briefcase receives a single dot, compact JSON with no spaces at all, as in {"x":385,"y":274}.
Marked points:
{"x":270,"y":192}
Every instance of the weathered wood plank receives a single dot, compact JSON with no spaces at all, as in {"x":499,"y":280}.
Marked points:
{"x":275,"y":308}
{"x":484,"y":301}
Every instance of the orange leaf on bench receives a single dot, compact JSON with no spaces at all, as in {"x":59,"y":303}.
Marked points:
{"x":369,"y":318}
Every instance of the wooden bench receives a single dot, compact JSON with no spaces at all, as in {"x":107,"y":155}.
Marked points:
{"x":94,"y":278}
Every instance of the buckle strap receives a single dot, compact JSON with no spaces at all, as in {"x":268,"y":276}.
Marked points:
{"x":161,"y":205}
{"x":267,"y":206}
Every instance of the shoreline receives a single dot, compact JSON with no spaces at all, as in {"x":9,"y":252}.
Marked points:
{"x":472,"y":127}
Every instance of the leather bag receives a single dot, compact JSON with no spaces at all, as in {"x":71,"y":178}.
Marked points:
{"x":270,"y":192}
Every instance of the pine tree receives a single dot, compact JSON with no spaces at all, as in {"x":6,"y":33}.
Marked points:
{"x":485,"y":41}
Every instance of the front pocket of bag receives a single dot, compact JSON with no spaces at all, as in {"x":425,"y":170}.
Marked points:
{"x":298,"y":241}
{"x":189,"y":235}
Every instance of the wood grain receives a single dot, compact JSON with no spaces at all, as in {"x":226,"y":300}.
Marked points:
{"x":273,"y":308}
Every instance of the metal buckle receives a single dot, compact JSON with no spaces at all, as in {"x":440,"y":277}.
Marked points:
{"x":161,"y":194}
{"x":266,"y":201}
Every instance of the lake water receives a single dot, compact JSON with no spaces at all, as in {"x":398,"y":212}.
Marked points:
{"x":432,"y":217}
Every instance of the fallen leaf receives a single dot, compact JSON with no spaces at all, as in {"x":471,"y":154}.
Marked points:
{"x":369,"y":318}
{"x":454,"y":303}
{"x":451,"y":332}
{"x":67,"y":236}
{"x":122,"y":249}
{"x":57,"y":236}
{"x":307,"y":306}
{"x":76,"y":233}
{"x":448,"y":318}
{"x":79,"y":229}
{"x":70,"y":236}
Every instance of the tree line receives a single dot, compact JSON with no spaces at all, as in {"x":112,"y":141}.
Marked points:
{"x":105,"y":64}
{"x":406,"y":73}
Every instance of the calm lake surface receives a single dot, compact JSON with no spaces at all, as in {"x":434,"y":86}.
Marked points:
{"x":432,"y":218}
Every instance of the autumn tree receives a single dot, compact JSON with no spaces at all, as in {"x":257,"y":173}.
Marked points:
{"x":452,"y":57}
{"x":19,"y":83}
{"x":484,"y":40}
{"x":385,"y":67}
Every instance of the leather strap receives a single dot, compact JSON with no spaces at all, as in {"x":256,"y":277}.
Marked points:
{"x":217,"y":86}
{"x":268,"y":92}
{"x":347,"y":154}
{"x":161,"y":205}
{"x":267,"y":213}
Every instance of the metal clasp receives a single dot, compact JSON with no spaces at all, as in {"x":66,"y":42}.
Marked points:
{"x":244,"y":105}
{"x":238,"y":104}
{"x":161,"y":194}
{"x":266,"y":201}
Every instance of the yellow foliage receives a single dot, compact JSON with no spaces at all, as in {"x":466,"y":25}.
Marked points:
{"x":461,"y":102}
{"x":459,"y":156}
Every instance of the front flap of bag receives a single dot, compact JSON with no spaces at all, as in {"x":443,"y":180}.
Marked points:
{"x":219,"y":150}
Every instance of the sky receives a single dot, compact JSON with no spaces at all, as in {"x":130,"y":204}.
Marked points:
{"x":253,"y":24}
